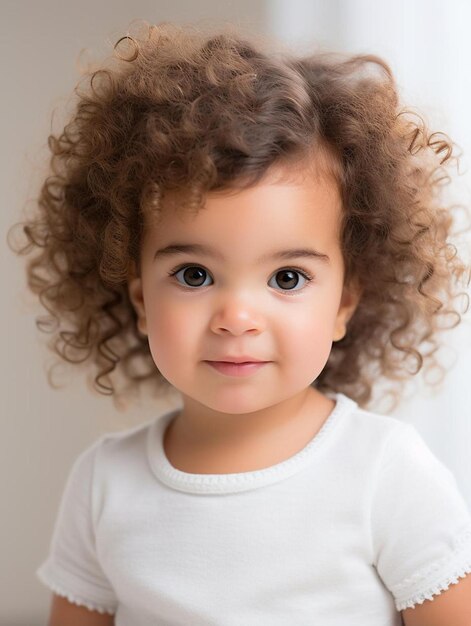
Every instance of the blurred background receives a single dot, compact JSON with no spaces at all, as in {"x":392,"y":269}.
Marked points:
{"x":427,"y":44}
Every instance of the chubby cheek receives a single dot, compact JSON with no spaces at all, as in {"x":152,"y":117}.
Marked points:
{"x":307,"y":342}
{"x":172,"y":339}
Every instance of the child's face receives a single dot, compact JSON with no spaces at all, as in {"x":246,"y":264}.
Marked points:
{"x":236,"y":302}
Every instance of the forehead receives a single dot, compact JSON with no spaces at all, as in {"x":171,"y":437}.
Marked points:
{"x":285,"y":203}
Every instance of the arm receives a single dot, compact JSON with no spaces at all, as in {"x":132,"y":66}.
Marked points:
{"x":421,"y":533}
{"x":451,"y":607}
{"x":73,"y":567}
{"x":65,"y":613}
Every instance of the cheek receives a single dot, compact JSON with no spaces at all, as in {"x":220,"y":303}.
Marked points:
{"x":308,"y":336}
{"x":172,"y":334}
{"x":302,"y":335}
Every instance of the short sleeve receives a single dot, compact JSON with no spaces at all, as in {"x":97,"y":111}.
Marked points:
{"x":420,"y":522}
{"x":72,"y":568}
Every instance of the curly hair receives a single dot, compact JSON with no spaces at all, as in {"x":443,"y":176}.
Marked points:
{"x":177,"y":108}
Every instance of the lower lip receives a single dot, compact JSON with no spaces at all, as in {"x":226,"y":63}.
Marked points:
{"x":236,"y":369}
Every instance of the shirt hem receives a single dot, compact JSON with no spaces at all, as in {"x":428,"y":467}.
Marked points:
{"x":458,"y":566}
{"x":45,"y":577}
{"x":420,"y":598}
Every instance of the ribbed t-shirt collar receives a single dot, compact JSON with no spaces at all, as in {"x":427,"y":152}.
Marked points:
{"x":243,"y":481}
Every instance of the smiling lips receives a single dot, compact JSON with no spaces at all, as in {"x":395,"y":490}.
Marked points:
{"x":237,"y":359}
{"x":241,"y":368}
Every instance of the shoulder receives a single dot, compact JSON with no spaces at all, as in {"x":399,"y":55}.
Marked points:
{"x":127,"y":448}
{"x":112,"y":455}
{"x":124,"y":439}
{"x":404,"y":458}
{"x":370,"y":420}
{"x":104,"y":456}
{"x":369,"y":432}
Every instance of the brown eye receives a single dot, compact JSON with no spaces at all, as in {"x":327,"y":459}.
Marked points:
{"x":288,"y":279}
{"x":193,"y":275}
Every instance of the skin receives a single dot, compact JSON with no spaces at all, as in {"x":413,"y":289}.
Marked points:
{"x":452,"y":606}
{"x":243,"y":307}
{"x":67,"y":613}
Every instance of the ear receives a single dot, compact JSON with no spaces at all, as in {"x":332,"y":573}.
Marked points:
{"x":351,"y":296}
{"x":136,"y":295}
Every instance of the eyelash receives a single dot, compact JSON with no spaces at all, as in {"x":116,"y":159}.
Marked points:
{"x":308,"y":277}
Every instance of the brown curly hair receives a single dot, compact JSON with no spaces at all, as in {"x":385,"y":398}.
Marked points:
{"x":177,"y":108}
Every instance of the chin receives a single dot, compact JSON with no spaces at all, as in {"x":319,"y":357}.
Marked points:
{"x":233,"y":402}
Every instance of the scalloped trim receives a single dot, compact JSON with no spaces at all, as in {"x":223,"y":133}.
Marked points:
{"x":458,"y":545}
{"x":238,"y":481}
{"x":80,"y":601}
{"x":420,"y":598}
{"x":459,"y":560}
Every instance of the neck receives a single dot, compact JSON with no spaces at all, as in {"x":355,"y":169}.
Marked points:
{"x":203,"y":426}
{"x":245,"y":442}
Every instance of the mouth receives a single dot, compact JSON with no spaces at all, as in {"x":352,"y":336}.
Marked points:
{"x":237,"y":362}
{"x":229,"y":368}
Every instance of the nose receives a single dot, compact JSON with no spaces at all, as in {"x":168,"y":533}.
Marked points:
{"x":237,"y":316}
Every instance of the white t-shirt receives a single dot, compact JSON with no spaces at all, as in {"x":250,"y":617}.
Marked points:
{"x":360,"y":524}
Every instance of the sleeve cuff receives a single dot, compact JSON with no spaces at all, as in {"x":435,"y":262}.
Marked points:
{"x":437,"y":577}
{"x":62,"y":582}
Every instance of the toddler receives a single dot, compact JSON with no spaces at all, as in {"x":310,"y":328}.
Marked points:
{"x":262,"y":232}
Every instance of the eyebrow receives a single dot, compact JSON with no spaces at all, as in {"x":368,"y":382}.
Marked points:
{"x":198,"y":248}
